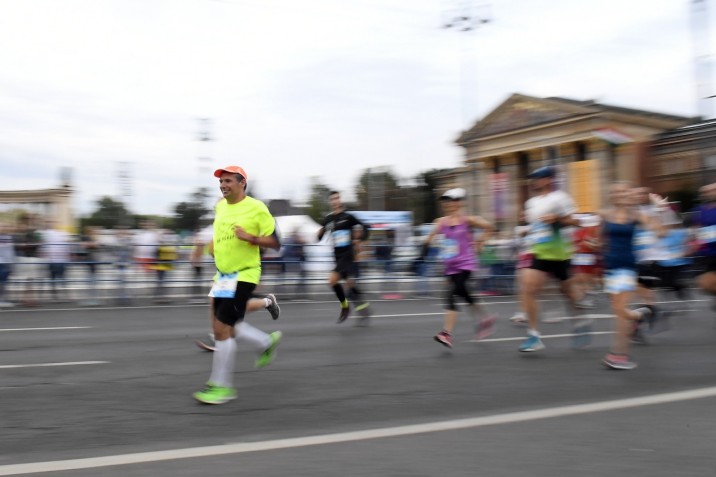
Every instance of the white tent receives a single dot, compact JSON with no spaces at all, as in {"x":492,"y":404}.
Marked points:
{"x":319,"y":255}
{"x":306,"y":227}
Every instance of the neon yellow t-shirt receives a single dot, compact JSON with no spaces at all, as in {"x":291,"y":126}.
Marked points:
{"x":234,"y":255}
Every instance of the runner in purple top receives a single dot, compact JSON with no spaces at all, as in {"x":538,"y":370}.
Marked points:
{"x":705,"y":221}
{"x":458,"y":254}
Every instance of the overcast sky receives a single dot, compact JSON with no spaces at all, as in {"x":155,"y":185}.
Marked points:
{"x":300,"y":89}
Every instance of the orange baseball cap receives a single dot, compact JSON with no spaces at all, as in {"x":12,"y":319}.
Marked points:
{"x":233,"y":170}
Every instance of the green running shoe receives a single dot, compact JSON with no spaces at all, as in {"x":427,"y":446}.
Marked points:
{"x":270,"y":353}
{"x":213,"y":394}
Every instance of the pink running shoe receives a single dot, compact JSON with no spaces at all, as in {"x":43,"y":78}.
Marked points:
{"x":486,"y":327}
{"x":444,"y":338}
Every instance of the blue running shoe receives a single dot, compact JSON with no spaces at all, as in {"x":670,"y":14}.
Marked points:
{"x":582,"y":333}
{"x":532,"y":343}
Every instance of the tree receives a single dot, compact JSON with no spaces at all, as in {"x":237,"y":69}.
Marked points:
{"x":318,"y":205}
{"x":109,"y":214}
{"x":378,"y":189}
{"x":188,"y":215}
{"x":426,"y":201}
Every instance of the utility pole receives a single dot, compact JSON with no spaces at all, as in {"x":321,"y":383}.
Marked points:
{"x":702,"y":57}
{"x":465,"y":19}
{"x":124,"y":177}
{"x":205,"y":138}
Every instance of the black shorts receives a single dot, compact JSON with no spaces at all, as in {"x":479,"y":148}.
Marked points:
{"x":346,"y":267}
{"x":230,"y":311}
{"x":706,"y":264}
{"x":559,"y":269}
{"x":648,"y":275}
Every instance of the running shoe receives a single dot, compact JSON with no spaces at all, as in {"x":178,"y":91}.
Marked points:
{"x":647,"y":314}
{"x":486,"y":327}
{"x":364,"y":311}
{"x":519,"y":318}
{"x":273,"y":307}
{"x":213,"y":394}
{"x":345,"y":312}
{"x":444,"y":338}
{"x":585,"y":303}
{"x":532,"y":343}
{"x":269,"y":353}
{"x":637,"y":335}
{"x":618,"y":361}
{"x":208,"y":344}
{"x":582,"y":333}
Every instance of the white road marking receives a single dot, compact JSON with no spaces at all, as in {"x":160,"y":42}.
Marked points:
{"x":352,"y":436}
{"x":44,"y":365}
{"x":46,"y":329}
{"x":544,"y":337}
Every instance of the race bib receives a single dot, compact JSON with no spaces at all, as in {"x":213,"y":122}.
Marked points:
{"x":620,"y":280}
{"x":449,"y":248}
{"x":539,"y":233}
{"x":584,"y":259}
{"x":707,"y":234}
{"x":644,"y":238}
{"x":341,"y":238}
{"x":224,"y":285}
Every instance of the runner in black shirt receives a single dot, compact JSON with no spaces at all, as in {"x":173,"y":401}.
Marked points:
{"x":339,"y":224}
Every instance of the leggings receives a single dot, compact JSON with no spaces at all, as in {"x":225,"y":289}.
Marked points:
{"x":458,"y":287}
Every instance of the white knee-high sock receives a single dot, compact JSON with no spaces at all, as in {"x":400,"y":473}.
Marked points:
{"x":257,"y":338}
{"x":222,"y":369}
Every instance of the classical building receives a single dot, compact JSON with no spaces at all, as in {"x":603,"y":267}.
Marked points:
{"x":683,"y":159}
{"x":54,"y":203}
{"x":591,"y":144}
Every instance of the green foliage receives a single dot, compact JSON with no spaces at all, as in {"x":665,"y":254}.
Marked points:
{"x":109,"y":214}
{"x":188,"y":215}
{"x":318,"y":205}
{"x":378,"y":189}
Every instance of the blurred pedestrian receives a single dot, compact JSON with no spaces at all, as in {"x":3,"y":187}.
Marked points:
{"x":7,"y":260}
{"x":586,"y":261}
{"x":338,"y":225}
{"x":87,"y":254}
{"x":523,"y":254}
{"x":166,"y":256}
{"x":705,"y":221}
{"x":384,"y":252}
{"x":242,"y":225}
{"x":459,"y":258}
{"x":646,"y":250}
{"x":204,"y":250}
{"x":29,"y":272}
{"x":548,"y":213}
{"x":199,"y":258}
{"x":146,"y":241}
{"x":56,"y":250}
{"x":123,"y":262}
{"x":674,"y":256}
{"x":620,"y":223}
{"x":295,"y":258}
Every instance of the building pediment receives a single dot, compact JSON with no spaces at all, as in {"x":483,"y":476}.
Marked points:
{"x":520,"y":112}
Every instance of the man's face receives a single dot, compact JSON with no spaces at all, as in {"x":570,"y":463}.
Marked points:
{"x":231,"y":185}
{"x":335,"y":201}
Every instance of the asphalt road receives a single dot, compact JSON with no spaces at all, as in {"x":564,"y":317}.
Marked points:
{"x":107,"y":392}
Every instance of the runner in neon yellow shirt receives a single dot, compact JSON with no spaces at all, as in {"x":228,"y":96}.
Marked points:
{"x":242,"y":224}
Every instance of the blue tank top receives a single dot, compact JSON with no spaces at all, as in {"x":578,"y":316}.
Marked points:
{"x":619,"y":252}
